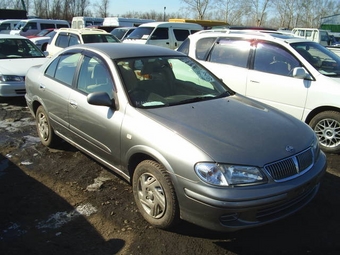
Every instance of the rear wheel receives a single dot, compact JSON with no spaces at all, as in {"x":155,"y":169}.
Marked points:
{"x":44,"y":129}
{"x":155,"y":195}
{"x":326,"y":125}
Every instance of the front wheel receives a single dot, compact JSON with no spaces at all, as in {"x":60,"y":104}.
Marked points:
{"x":155,"y":195}
{"x":44,"y":129}
{"x":326,"y":125}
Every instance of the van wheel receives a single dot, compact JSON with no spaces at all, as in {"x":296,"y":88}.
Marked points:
{"x":326,"y":125}
{"x":155,"y":195}
{"x":44,"y":129}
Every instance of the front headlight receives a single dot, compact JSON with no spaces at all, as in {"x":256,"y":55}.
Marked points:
{"x":7,"y":78}
{"x":227,"y":175}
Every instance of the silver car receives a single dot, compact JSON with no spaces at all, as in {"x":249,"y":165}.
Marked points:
{"x":191,"y":148}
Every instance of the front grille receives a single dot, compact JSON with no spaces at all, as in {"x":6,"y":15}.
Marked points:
{"x":20,"y":91}
{"x":291,"y":167}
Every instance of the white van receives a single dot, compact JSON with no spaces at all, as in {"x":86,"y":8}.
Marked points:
{"x":313,"y":34}
{"x":82,"y":22}
{"x":7,"y":25}
{"x":165,"y":34}
{"x":125,"y":22}
{"x":33,"y":26}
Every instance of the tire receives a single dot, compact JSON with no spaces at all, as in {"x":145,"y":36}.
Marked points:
{"x":155,"y":195}
{"x":44,"y":129}
{"x":326,"y":125}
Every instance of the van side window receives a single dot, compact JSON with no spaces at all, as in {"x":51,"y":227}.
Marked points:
{"x":73,"y":40}
{"x":61,"y":25}
{"x":45,"y":26}
{"x":181,"y":34}
{"x":161,"y":33}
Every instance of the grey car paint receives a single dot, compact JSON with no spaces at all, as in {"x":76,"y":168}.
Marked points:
{"x":227,"y":130}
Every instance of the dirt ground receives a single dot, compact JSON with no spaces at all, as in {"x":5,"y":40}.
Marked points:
{"x":59,"y":201}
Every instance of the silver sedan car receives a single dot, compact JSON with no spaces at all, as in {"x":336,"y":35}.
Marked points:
{"x":191,"y":148}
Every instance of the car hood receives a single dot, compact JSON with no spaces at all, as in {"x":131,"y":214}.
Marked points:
{"x":19,"y":66}
{"x":236,"y":129}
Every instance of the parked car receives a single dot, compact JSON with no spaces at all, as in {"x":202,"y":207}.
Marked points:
{"x":42,"y":41}
{"x":190,"y":146}
{"x":17,"y":55}
{"x":66,"y":37}
{"x":29,"y":27}
{"x":42,"y":33}
{"x":292,"y":74}
{"x":122,"y":32}
{"x":164,"y":34}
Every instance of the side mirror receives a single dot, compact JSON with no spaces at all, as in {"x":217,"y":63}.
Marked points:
{"x":301,"y":73}
{"x":101,"y":98}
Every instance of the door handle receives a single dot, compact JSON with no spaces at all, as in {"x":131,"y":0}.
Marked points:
{"x":42,"y":87}
{"x":73,"y":104}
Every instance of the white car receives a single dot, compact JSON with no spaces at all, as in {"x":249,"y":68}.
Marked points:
{"x":66,"y":37}
{"x":296,"y":75}
{"x":17,"y":55}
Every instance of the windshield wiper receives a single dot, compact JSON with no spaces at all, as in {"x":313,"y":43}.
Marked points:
{"x":193,"y":100}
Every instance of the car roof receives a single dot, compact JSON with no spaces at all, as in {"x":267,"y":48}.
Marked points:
{"x":250,"y":34}
{"x":122,"y":50}
{"x":8,"y":36}
{"x":86,"y":30}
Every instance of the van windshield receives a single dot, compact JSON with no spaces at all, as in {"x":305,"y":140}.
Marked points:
{"x":323,"y":60}
{"x":20,"y":25}
{"x":141,"y":33}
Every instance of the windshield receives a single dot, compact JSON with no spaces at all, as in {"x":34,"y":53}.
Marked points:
{"x":323,"y":60}
{"x":20,"y":25}
{"x":19,"y":48}
{"x":97,"y":38}
{"x":168,"y":81}
{"x":141,"y":33}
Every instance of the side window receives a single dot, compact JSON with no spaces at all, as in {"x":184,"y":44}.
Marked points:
{"x":184,"y":48}
{"x":181,"y":34}
{"x":32,"y":25}
{"x":231,"y":52}
{"x":61,"y":25}
{"x":73,"y":40}
{"x":45,"y":26}
{"x":203,"y":46}
{"x":160,"y":34}
{"x":94,"y":76}
{"x":62,"y":40}
{"x":63,"y":68}
{"x":274,"y":59}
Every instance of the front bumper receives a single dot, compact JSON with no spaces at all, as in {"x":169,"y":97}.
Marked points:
{"x":14,"y":89}
{"x":232,"y":213}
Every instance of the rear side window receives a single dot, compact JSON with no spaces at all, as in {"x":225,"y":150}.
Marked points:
{"x":203,"y":46}
{"x":231,"y":52}
{"x":63,"y":68}
{"x":45,"y":26}
{"x":161,"y":33}
{"x":62,"y":41}
{"x":181,"y":34}
{"x":61,"y":25}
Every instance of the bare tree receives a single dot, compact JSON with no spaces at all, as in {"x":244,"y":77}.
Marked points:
{"x":200,"y":7}
{"x":102,"y":8}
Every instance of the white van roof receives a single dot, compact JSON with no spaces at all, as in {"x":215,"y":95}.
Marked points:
{"x":174,"y":24}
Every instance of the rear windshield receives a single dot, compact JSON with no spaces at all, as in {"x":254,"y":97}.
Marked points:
{"x":97,"y":38}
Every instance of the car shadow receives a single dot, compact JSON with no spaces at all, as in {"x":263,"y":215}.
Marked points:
{"x":312,"y":230}
{"x":30,"y":222}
